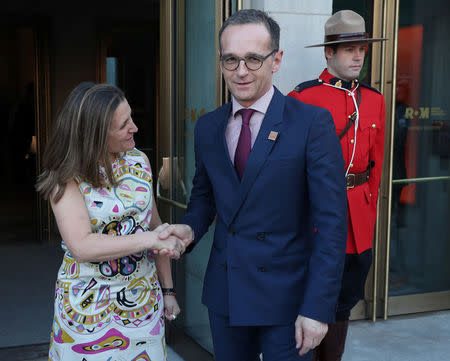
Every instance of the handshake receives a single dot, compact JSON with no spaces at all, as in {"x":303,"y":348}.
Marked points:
{"x":172,"y":239}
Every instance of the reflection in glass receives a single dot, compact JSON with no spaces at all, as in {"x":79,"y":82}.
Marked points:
{"x":420,"y":242}
{"x":420,"y":227}
{"x":199,"y":97}
{"x":111,"y":70}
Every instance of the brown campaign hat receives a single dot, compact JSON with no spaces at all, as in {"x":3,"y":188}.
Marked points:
{"x":345,"y":26}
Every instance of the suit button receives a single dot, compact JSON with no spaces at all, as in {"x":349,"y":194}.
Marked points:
{"x":261,"y":269}
{"x":231,"y":232}
{"x":374,"y":126}
{"x":224,"y":266}
{"x":261,"y":236}
{"x":352,"y":141}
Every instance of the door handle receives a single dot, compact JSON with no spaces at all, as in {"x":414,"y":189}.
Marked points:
{"x":168,"y":171}
{"x":168,"y":200}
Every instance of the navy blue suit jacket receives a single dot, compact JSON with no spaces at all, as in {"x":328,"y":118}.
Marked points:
{"x":280,"y":236}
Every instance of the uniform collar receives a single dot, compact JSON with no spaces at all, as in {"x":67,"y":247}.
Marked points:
{"x":339,"y":83}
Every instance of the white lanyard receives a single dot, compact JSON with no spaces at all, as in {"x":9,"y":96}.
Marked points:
{"x":352,"y":94}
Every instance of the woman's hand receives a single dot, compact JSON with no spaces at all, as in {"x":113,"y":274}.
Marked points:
{"x":182,"y":231}
{"x":171,"y":308}
{"x":172,"y":246}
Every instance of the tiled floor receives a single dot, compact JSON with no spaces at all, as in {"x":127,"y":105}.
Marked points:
{"x":420,"y":337}
{"x":171,"y":356}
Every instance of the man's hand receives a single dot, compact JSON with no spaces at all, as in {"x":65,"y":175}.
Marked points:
{"x":181,"y":231}
{"x":308,"y":333}
{"x":170,"y":246}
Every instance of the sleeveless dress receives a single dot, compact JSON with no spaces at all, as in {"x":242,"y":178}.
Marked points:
{"x":113,"y":310}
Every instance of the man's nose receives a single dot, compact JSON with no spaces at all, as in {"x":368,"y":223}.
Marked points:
{"x":359,"y":54}
{"x":242,"y":68}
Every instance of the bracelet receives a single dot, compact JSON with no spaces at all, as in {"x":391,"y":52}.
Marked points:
{"x":168,"y":291}
{"x":174,"y":294}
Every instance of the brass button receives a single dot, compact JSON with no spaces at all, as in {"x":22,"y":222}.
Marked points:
{"x":374,"y":126}
{"x":351,"y":165}
{"x":352,"y":141}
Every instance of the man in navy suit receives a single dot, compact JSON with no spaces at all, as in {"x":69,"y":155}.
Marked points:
{"x":273,"y":179}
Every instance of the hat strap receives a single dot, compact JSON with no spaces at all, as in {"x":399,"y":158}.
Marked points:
{"x":347,"y":36}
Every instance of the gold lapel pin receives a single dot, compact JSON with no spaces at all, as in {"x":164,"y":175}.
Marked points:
{"x":273,"y":135}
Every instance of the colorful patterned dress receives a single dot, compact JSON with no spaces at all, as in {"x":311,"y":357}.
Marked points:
{"x":113,"y":310}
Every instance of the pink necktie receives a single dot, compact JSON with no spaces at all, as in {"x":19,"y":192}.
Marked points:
{"x":244,"y":145}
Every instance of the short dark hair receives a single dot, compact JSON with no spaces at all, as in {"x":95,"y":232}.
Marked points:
{"x":253,"y":16}
{"x":333,"y":46}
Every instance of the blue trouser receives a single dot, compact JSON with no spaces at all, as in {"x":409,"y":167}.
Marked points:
{"x":245,"y":343}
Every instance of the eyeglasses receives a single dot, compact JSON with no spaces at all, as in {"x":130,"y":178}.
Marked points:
{"x":252,"y":62}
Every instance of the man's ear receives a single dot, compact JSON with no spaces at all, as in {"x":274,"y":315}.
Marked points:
{"x":220,"y":63}
{"x":328,"y":51}
{"x":277,"y":61}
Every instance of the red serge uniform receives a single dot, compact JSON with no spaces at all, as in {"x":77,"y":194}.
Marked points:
{"x":362,"y":199}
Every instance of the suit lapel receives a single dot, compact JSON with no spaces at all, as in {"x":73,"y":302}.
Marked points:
{"x":227,"y":161}
{"x":262,"y":147}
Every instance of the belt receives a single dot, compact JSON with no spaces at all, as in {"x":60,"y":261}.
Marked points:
{"x":356,"y":179}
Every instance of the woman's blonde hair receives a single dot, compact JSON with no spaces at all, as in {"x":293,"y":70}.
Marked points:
{"x":79,"y":141}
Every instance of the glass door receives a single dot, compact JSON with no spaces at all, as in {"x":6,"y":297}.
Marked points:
{"x":190,"y":86}
{"x":419,"y":271}
{"x":29,"y":259}
{"x":413,"y":233}
{"x":194,"y":99}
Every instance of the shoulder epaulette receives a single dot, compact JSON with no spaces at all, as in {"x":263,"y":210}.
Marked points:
{"x":307,"y":84}
{"x":369,"y":87}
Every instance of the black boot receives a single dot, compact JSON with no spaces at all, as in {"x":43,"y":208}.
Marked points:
{"x":332,"y":346}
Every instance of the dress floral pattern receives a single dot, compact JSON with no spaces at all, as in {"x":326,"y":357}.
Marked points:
{"x":112,"y":310}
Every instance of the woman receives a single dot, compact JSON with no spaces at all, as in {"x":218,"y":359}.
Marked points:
{"x":109,"y":304}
